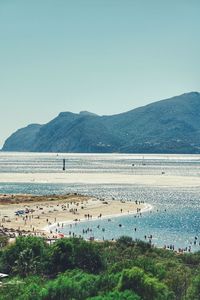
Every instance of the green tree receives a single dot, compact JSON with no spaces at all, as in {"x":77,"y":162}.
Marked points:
{"x":61,"y":256}
{"x":13,"y":255}
{"x":125,"y":241}
{"x":26,"y":263}
{"x":29,"y":288}
{"x":177,"y":278}
{"x":193,"y":292}
{"x":126,"y":295}
{"x":87,"y":256}
{"x":72,"y":285}
{"x":146,"y":286}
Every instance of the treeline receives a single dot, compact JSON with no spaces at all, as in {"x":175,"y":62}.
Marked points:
{"x":76,"y":270}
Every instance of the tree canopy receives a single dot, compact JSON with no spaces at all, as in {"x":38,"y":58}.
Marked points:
{"x":75,"y":269}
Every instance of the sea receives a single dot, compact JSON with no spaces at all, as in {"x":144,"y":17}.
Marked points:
{"x":175,"y":216}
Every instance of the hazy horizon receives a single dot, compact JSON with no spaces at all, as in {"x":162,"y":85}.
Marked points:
{"x":106,"y":57}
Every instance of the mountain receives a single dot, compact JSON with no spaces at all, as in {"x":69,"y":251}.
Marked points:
{"x":167,"y":126}
{"x":23,"y":139}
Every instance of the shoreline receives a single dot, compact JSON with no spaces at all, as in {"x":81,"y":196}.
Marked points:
{"x":147,"y":208}
{"x":38,"y":215}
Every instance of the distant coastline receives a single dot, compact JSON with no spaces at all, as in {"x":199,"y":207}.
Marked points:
{"x":166,"y":126}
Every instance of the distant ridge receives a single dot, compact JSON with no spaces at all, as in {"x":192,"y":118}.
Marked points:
{"x":167,"y":126}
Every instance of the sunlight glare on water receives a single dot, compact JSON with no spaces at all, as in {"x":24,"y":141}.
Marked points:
{"x":175,"y":218}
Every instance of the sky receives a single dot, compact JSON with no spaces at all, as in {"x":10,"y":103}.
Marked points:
{"x":104,"y":56}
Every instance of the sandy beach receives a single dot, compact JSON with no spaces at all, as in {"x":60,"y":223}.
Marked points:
{"x":161,"y":180}
{"x":37,"y":214}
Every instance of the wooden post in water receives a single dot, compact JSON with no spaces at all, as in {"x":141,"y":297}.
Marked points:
{"x":63,"y":164}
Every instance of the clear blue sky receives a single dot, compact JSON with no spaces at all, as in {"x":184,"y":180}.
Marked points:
{"x":105,"y":56}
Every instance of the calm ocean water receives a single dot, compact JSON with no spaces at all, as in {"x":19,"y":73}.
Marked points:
{"x":175,"y":218}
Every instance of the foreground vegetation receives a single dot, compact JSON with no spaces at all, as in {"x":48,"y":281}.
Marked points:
{"x":76,"y":269}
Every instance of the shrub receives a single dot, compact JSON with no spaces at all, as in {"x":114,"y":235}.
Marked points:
{"x":147,"y":287}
